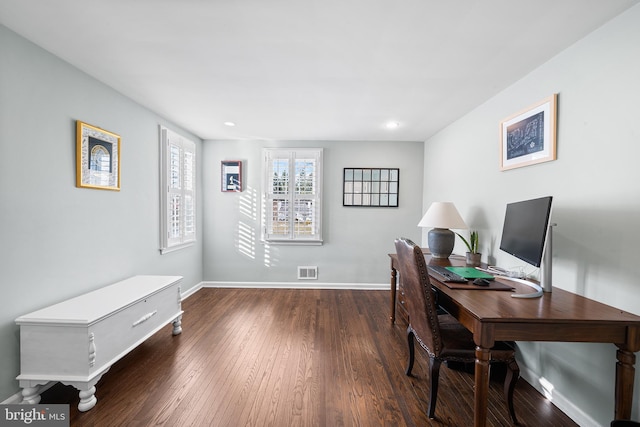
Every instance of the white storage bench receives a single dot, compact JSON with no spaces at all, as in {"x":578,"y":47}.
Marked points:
{"x":76,"y":341}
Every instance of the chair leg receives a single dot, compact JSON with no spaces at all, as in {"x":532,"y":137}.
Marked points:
{"x":511,"y":378}
{"x":411,"y":351}
{"x":434,"y":374}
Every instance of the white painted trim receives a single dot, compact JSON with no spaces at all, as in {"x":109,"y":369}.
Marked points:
{"x":17,"y":397}
{"x":297,"y":285}
{"x":559,"y":400}
{"x":176,"y":247}
{"x":189,"y":292}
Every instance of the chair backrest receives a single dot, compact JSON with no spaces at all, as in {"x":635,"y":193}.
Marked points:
{"x":423,"y":314}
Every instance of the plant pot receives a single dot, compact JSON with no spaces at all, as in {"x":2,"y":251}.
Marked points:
{"x":473,"y":259}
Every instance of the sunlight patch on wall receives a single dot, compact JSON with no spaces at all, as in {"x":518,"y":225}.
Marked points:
{"x":247,"y":207}
{"x":267,"y":255}
{"x":246,"y":240}
{"x":267,"y":246}
{"x":249,"y":204}
{"x":547,"y":388}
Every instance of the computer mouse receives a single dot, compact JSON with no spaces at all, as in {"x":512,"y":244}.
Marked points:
{"x":481,"y":282}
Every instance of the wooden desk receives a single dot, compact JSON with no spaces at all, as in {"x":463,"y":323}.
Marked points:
{"x":557,"y":316}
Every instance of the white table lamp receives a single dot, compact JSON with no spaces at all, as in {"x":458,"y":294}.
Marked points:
{"x":442,"y":216}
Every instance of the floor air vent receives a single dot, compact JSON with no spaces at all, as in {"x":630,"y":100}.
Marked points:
{"x":307,"y":273}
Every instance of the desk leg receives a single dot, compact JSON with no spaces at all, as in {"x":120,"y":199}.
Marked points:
{"x":394,"y":275}
{"x":625,"y":374}
{"x":483,"y":356}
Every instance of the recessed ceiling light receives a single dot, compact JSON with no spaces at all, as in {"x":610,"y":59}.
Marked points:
{"x":230,"y":124}
{"x":393,"y":125}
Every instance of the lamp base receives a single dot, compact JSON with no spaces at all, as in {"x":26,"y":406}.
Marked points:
{"x":441,"y":242}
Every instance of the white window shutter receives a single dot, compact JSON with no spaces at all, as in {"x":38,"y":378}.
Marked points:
{"x":292,"y":196}
{"x":177,"y":191}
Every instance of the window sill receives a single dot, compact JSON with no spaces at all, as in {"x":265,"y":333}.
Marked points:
{"x":293,"y":242}
{"x":175,"y":248}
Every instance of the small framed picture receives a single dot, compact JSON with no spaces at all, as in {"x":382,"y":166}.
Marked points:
{"x":529,"y":137}
{"x":97,"y":158}
{"x":231,"y":175}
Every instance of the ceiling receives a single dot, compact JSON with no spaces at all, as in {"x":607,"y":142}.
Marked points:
{"x":308,"y":69}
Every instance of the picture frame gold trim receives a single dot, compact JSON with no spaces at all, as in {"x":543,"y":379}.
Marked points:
{"x":529,"y":136}
{"x":97,"y":158}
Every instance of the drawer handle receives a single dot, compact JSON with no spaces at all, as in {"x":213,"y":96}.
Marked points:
{"x":145,"y":318}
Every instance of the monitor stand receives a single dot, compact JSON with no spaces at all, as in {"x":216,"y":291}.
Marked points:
{"x":545,"y":265}
{"x":545,"y":271}
{"x":538,"y":293}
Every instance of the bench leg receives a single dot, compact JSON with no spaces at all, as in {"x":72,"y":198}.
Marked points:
{"x":87,"y":399}
{"x":31,"y":395}
{"x":177,"y":326}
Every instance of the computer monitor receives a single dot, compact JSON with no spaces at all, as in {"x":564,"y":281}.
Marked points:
{"x":525,"y":232}
{"x":525,"y":229}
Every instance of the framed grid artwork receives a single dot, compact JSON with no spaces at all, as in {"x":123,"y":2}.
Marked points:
{"x":371,"y":187}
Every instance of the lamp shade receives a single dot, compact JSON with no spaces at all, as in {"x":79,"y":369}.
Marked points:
{"x":442,"y":215}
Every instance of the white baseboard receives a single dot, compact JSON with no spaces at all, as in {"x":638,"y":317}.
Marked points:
{"x":17,"y":397}
{"x":186,"y":294}
{"x":558,"y":399}
{"x":298,"y":285}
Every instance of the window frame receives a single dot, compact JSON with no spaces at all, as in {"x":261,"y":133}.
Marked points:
{"x":177,"y":227}
{"x":291,"y":155}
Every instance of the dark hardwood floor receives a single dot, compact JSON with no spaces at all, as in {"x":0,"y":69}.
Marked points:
{"x":271,"y":357}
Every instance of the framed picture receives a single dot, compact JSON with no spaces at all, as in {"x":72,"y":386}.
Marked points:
{"x":231,"y":175}
{"x":529,"y":137}
{"x":371,"y":187}
{"x":97,"y":158}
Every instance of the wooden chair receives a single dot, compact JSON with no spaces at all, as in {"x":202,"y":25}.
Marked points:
{"x":441,"y":335}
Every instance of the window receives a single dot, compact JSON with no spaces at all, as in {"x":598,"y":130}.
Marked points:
{"x":177,"y":191}
{"x":292,"y":196}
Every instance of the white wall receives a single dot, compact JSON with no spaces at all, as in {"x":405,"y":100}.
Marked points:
{"x":596,"y":190}
{"x":59,"y":241}
{"x":356,"y":239}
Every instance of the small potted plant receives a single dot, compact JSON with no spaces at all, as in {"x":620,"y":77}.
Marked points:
{"x":473,"y":256}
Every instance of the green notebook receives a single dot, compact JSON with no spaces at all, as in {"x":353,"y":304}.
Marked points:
{"x":470,"y":273}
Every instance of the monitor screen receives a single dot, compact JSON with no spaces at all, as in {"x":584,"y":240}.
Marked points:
{"x":525,"y":229}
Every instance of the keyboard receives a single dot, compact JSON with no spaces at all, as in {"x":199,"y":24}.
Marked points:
{"x":447,"y":276}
